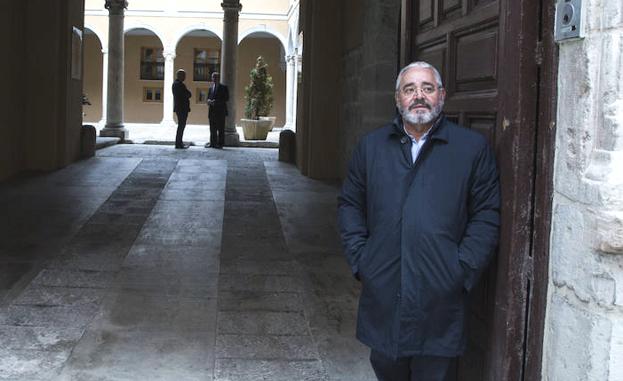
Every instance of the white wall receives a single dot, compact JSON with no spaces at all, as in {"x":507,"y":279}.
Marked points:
{"x":584,"y":325}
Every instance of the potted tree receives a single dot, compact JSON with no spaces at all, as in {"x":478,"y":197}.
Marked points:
{"x":259,"y":102}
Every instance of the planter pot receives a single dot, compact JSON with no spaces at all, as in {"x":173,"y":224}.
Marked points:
{"x":255,"y":129}
{"x":272,"y":120}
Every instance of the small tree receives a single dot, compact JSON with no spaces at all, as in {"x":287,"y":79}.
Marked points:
{"x":259,"y":92}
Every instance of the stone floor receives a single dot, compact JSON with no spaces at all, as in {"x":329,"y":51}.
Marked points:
{"x":150,"y":263}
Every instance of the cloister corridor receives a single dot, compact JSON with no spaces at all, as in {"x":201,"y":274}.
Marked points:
{"x":150,"y":263}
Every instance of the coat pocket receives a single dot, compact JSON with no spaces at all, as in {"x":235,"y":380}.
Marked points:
{"x":363,"y":257}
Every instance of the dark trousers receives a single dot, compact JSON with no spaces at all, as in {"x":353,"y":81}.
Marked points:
{"x":181,"y":124}
{"x":217,"y":131}
{"x":416,"y":368}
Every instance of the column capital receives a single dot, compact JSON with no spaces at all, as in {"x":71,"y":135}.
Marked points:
{"x":116,"y":7}
{"x":232,"y":10}
{"x":104,"y":51}
{"x":168,"y":55}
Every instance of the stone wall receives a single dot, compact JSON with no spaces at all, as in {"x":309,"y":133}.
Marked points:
{"x":350,"y":111}
{"x":584,"y":325}
{"x":369,"y":72}
{"x":43,"y":117}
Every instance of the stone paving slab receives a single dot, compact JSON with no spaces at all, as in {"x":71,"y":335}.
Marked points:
{"x":262,"y":323}
{"x":138,"y":355}
{"x":179,"y":259}
{"x":49,"y":316}
{"x":207,"y":238}
{"x":190,"y":208}
{"x":274,"y":370}
{"x":264,"y":347}
{"x":31,"y":365}
{"x":257,"y":300}
{"x":156,"y":312}
{"x":260,"y":266}
{"x":39,"y":338}
{"x":59,"y":296}
{"x":256,"y":282}
{"x":194,"y":284}
{"x":89,"y":261}
{"x":209,"y":186}
{"x":74,"y":278}
{"x":166,"y":221}
{"x":192,"y":195}
{"x":11,"y":272}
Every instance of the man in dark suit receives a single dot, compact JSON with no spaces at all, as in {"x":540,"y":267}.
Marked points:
{"x":181,"y":106}
{"x":218,"y":96}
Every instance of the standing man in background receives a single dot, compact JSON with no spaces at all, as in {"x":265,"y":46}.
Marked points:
{"x":218,"y":96}
{"x":419,"y":219}
{"x":181,"y":106}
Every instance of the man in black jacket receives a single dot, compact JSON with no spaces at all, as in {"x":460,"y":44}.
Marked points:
{"x":181,"y":106}
{"x":419,"y":219}
{"x":218,"y":96}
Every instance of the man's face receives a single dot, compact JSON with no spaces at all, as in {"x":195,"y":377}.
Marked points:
{"x":418,"y":98}
{"x":215,"y":78}
{"x":181,"y":76}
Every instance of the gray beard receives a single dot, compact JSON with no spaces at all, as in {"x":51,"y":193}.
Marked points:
{"x":419,"y":118}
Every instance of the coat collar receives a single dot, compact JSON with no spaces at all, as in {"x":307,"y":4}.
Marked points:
{"x":439,"y":131}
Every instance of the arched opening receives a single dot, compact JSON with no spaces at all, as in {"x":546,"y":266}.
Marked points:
{"x":271,"y":48}
{"x":92,"y":77}
{"x":144,"y":77}
{"x":198,"y":52}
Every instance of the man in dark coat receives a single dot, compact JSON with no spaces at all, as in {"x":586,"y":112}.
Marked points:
{"x":419,"y":220}
{"x":218,"y":96}
{"x":181,"y":106}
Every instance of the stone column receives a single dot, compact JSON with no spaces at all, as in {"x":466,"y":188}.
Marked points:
{"x":229,"y":58}
{"x":114,"y":111}
{"x":290,"y":91}
{"x":104,"y":85}
{"x":169,"y":74}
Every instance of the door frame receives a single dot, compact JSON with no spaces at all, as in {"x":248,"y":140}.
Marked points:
{"x":527,"y":114}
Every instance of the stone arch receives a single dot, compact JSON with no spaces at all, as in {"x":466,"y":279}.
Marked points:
{"x":139,"y":25}
{"x":264,"y":29}
{"x":98,"y":33}
{"x":90,"y":31}
{"x":172,"y":44}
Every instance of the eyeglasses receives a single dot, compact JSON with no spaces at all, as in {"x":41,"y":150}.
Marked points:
{"x":408,"y":91}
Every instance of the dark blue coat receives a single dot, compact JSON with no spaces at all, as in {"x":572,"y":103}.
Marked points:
{"x":181,"y":97}
{"x":419,"y":235}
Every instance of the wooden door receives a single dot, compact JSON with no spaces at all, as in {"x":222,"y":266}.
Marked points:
{"x":497,"y":65}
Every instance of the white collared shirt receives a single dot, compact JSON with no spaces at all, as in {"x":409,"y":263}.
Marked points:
{"x":416,"y":145}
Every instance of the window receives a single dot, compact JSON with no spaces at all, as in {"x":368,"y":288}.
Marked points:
{"x":152,"y":64}
{"x":205,"y":62}
{"x":202,"y":95}
{"x":152,"y":94}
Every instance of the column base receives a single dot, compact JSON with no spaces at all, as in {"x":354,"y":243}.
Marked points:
{"x":168,"y":123}
{"x":232,"y":139}
{"x":115,"y":132}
